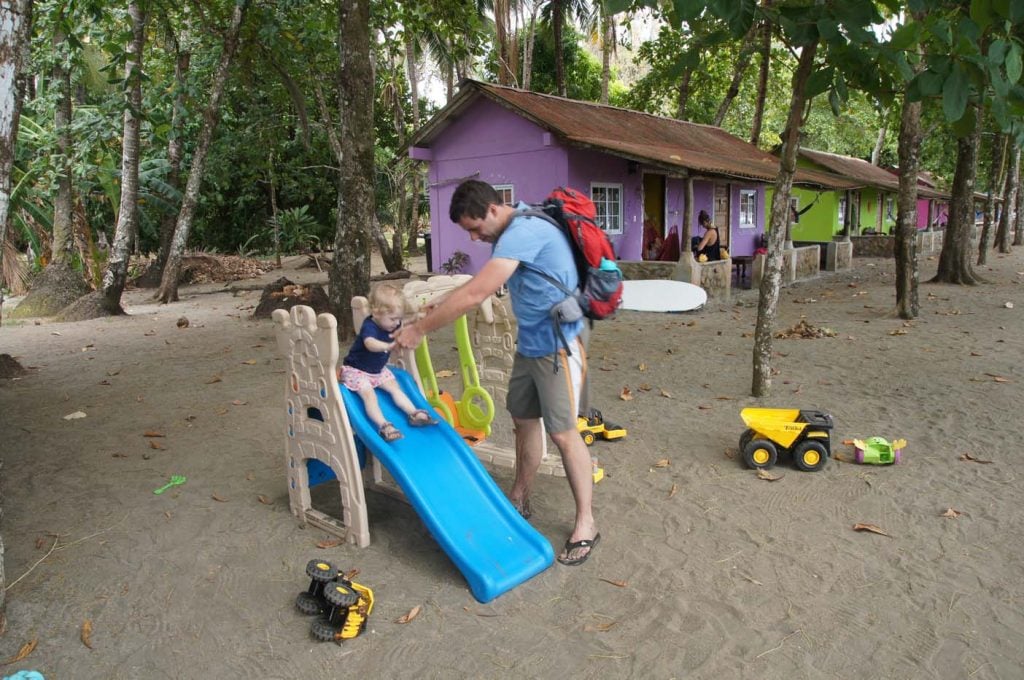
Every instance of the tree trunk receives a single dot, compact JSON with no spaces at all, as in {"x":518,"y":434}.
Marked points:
{"x":907,"y":274}
{"x":762,"y":82}
{"x":557,"y":26}
{"x":63,"y":241}
{"x":738,"y":69}
{"x":1006,"y":217}
{"x":607,"y":47}
{"x":350,"y":268}
{"x":531,"y":34}
{"x":684,"y":93}
{"x":876,"y":152}
{"x":168,"y":291}
{"x":954,"y":260}
{"x":999,"y":147}
{"x":175,"y":148}
{"x":117,"y":262}
{"x":15,"y":29}
{"x":414,"y":176}
{"x":500,"y":9}
{"x":1009,"y":215}
{"x":768,"y":301}
{"x":1018,"y":223}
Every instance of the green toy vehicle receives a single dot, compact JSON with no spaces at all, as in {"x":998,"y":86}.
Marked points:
{"x":878,"y":450}
{"x":804,"y":434}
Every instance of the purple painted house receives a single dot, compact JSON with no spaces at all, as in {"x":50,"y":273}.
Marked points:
{"x":635,"y":166}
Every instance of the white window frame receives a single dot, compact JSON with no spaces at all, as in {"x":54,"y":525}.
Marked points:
{"x":752,"y":195}
{"x":602,"y":208}
{"x":510,"y":188}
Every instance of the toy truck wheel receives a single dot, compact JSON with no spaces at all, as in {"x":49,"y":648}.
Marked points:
{"x":340,"y":595}
{"x":588,"y":437}
{"x":745,"y":438}
{"x":810,"y":455}
{"x":308,"y":604}
{"x":321,"y":571}
{"x":760,"y":454}
{"x":325,"y":631}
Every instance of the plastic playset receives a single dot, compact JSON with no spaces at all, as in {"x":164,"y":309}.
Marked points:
{"x":330,"y":439}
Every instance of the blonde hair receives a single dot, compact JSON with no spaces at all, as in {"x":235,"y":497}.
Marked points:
{"x":385,"y":297}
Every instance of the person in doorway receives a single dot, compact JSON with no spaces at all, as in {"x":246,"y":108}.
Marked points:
{"x":709,"y":246}
{"x":547,"y":377}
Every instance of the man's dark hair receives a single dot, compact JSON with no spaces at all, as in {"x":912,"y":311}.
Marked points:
{"x":471,"y":199}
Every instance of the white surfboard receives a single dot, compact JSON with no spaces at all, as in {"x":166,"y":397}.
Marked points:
{"x":662,"y":295}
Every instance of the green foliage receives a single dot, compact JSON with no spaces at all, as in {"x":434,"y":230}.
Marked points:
{"x":455,"y":264}
{"x":297,"y":232}
{"x":582,"y":71}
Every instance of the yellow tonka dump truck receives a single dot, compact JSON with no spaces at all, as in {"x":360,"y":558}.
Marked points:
{"x":803,"y":434}
{"x":593,"y":425}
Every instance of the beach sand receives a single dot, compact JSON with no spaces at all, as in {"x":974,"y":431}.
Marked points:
{"x":704,"y":570}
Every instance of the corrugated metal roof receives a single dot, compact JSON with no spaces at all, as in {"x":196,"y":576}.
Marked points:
{"x":667,"y":143}
{"x":864,"y":172}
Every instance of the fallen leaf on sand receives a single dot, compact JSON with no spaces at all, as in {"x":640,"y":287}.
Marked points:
{"x":951,"y":513}
{"x":975,"y":354}
{"x":767,"y":476}
{"x":673,"y":490}
{"x":406,"y":618}
{"x":663,"y":463}
{"x":329,"y":543}
{"x":626,"y":394}
{"x":351,"y":574}
{"x":642,"y":367}
{"x":971,"y":458}
{"x":183,"y":322}
{"x":644,"y":387}
{"x":153,"y":444}
{"x":898,"y":331}
{"x":249,"y":362}
{"x":599,"y":627}
{"x":617,"y":584}
{"x":264,"y":500}
{"x":870,"y":527}
{"x":238,"y":402}
{"x":219,"y":499}
{"x":214,"y":379}
{"x":665,"y":393}
{"x":74,"y":416}
{"x":86,"y":633}
{"x":23,"y":653}
{"x":703,"y":407}
{"x":153,"y":433}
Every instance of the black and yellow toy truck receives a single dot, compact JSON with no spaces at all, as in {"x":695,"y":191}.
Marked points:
{"x":806,"y":435}
{"x":593,"y":425}
{"x":344,"y":605}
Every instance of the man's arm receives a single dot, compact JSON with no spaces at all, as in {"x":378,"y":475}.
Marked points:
{"x":464,"y":298}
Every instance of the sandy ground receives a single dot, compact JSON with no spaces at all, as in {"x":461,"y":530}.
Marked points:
{"x":704,"y":570}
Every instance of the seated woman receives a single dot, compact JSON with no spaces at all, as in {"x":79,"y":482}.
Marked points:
{"x":709,"y":245}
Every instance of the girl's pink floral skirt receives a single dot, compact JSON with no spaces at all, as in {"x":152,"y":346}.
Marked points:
{"x":355,"y":380}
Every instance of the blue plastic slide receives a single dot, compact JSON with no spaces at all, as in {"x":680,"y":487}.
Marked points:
{"x":465,"y":511}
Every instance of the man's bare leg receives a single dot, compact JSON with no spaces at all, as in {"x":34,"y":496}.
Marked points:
{"x":529,"y":451}
{"x":579,"y":471}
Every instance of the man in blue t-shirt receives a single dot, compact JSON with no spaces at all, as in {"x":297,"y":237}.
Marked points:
{"x":546,"y":380}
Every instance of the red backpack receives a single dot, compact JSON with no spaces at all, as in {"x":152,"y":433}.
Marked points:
{"x":600,"y":288}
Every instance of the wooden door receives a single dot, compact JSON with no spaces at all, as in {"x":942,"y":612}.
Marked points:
{"x":721,"y":218}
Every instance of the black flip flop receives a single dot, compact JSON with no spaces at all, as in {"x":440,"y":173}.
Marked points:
{"x":570,"y":546}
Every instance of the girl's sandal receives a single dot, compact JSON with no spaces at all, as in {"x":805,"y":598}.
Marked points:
{"x":420,"y":417}
{"x":389,"y":432}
